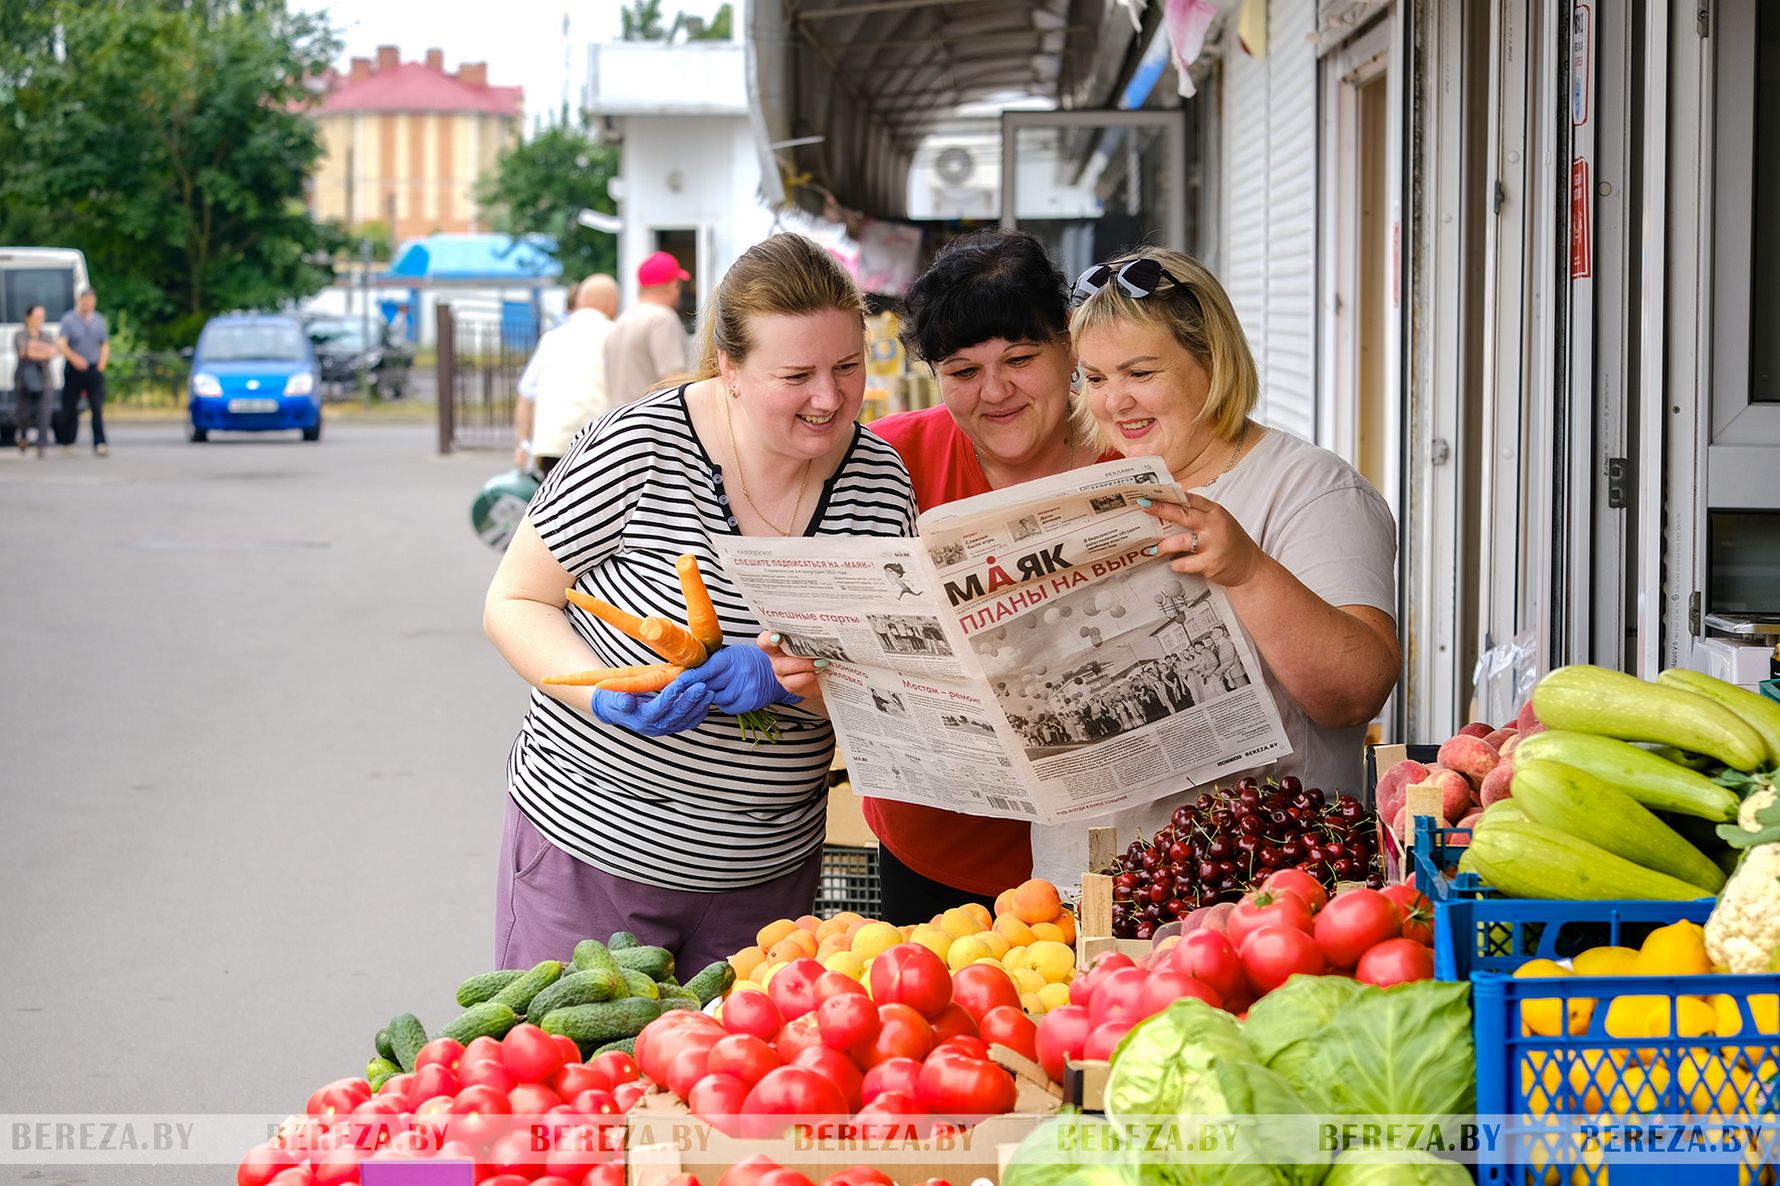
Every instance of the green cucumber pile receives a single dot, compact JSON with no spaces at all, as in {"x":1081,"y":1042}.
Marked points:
{"x":600,"y":1000}
{"x":1624,"y":791}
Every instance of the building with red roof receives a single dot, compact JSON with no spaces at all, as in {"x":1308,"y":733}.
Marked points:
{"x":404,"y":143}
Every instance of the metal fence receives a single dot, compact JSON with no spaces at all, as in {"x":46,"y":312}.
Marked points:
{"x":480,"y":359}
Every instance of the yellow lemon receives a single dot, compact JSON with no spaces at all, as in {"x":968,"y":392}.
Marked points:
{"x":1691,"y":1017}
{"x":1051,"y":959}
{"x":1547,"y":1017}
{"x":1711,"y":1086}
{"x":1605,"y":961}
{"x":1541,"y":1079}
{"x":845,"y":962}
{"x":875,"y":938}
{"x":1678,"y":949}
{"x":1639,"y":1090}
{"x":1764,"y":1010}
{"x":1053,"y":996}
{"x":966,"y":949}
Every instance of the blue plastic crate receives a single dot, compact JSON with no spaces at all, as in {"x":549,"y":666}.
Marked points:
{"x":1543,"y":1079}
{"x":1433,"y":854}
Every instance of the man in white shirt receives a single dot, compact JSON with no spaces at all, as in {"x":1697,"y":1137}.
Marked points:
{"x":649,"y":344}
{"x":564,"y":385}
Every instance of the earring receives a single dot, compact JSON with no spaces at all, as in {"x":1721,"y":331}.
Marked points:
{"x":733,"y":393}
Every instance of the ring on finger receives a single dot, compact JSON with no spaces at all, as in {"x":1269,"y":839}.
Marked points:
{"x":1193,"y":544}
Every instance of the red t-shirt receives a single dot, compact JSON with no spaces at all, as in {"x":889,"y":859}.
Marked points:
{"x":969,"y":852}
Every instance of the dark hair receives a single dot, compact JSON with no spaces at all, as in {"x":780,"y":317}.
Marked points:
{"x":993,"y":284}
{"x":783,"y":274}
{"x":30,"y":309}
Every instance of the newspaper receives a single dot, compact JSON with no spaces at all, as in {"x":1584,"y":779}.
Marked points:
{"x":1021,"y":657}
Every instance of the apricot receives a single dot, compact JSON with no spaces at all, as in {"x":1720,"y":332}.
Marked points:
{"x":772,"y":932}
{"x":1036,"y":901}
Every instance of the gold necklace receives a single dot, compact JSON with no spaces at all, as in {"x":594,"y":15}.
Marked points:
{"x":1241,"y":436}
{"x":742,"y":480}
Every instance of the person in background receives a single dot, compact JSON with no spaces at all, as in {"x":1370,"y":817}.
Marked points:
{"x":86,"y":345}
{"x":652,"y":814}
{"x":1302,"y":545}
{"x":33,"y":349}
{"x":648,"y":344}
{"x":563,"y":388}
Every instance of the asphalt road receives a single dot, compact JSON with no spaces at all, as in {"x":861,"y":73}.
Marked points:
{"x":252,"y":785}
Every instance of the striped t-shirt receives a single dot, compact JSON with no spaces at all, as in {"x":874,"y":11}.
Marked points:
{"x":703,"y":809}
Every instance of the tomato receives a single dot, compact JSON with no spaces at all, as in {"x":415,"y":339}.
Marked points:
{"x":1081,"y":989}
{"x":339,"y":1166}
{"x":953,"y":1022}
{"x":668,"y":1036}
{"x":627,"y":1094}
{"x":838,"y":1069}
{"x":748,"y":1171}
{"x":431,"y":1080}
{"x":966,"y":1044}
{"x":859,"y":1175}
{"x":338,"y":1098}
{"x":1395,"y":961}
{"x":958,"y":1085}
{"x":1162,"y":989}
{"x":831,"y":983}
{"x":1119,"y":997}
{"x":505,"y":1179}
{"x":784,"y":1177}
{"x":1268,"y":908}
{"x":690,"y":1064}
{"x":1007,"y":1025}
{"x":300,"y":1176}
{"x":480,"y":1049}
{"x":487,"y":1072}
{"x":1104,"y":1039}
{"x":262,"y":1164}
{"x":892,"y":1075}
{"x":1415,"y":912}
{"x":532,"y":1099}
{"x":793,"y":988}
{"x":744,"y":1056}
{"x":531,"y":1054}
{"x":478,"y":1098}
{"x":1273,"y":954}
{"x":1209,"y":957}
{"x":978,"y":988}
{"x":798,"y":1035}
{"x":593,"y":1103}
{"x":752,"y":1012}
{"x":718,"y":1099}
{"x":609,"y":1174}
{"x":790,"y":1092}
{"x":847,"y":1019}
{"x":909,"y":974}
{"x":559,"y":1180}
{"x":577,"y":1150}
{"x":902,"y":1033}
{"x":1062,"y":1035}
{"x":1301,"y":883}
{"x":512,"y":1153}
{"x":446,"y":1052}
{"x":398,"y":1087}
{"x":577,"y":1077}
{"x":1354,"y":921}
{"x":571,"y":1053}
{"x":617,"y":1066}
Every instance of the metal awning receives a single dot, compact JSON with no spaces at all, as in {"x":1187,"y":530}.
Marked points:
{"x":847,"y":89}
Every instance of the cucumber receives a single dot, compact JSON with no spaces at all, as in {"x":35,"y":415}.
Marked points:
{"x":1654,"y":781}
{"x":382,"y":1043}
{"x":579,"y":988}
{"x":603,"y":1021}
{"x":622,"y":939}
{"x":713,"y":982}
{"x":621,"y":1046}
{"x":1528,"y":860}
{"x":638,"y":985}
{"x":1577,"y":802}
{"x":1587,"y":699}
{"x":406,"y":1037}
{"x":591,"y":955}
{"x":1758,"y":712}
{"x":379,"y":1069}
{"x":668,"y":1004}
{"x":481,"y":988}
{"x":676,"y":990}
{"x":490,"y":1019}
{"x":517,"y":995}
{"x":653,"y":962}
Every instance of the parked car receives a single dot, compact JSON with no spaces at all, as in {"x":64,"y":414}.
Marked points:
{"x":347,"y":347}
{"x":47,"y":276}
{"x":254,"y":372}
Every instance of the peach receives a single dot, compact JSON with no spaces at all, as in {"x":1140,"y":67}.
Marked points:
{"x":1471,"y":756}
{"x":809,"y":922}
{"x":1496,"y":787}
{"x":980,"y":912}
{"x":1508,"y":748}
{"x":1456,"y":795}
{"x":1036,"y":901}
{"x":1395,"y":782}
{"x":1500,"y":737}
{"x":1469,"y":822}
{"x":1004,"y":902}
{"x":1528,"y":719}
{"x":1017,"y":932}
{"x":1477,"y":729}
{"x":1210,"y":918}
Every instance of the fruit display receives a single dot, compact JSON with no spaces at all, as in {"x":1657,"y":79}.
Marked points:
{"x":1471,"y":771}
{"x":1030,"y":936}
{"x":761,"y":1170}
{"x":1219,"y":848}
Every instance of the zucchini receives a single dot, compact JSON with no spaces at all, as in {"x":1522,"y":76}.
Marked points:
{"x":1587,"y":699}
{"x":1528,"y":860}
{"x":1758,"y":712}
{"x":406,"y":1037}
{"x":517,"y":995}
{"x":481,"y":988}
{"x":622,"y":939}
{"x":579,"y":988}
{"x":636,"y":984}
{"x":490,"y":1019}
{"x":1656,"y":782}
{"x":713,"y":982}
{"x":382,"y":1043}
{"x":603,"y":1021}
{"x":1576,"y":802}
{"x":653,"y":962}
{"x":591,"y":955}
{"x":1503,"y":809}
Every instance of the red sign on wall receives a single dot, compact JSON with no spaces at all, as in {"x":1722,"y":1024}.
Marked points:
{"x":1581,"y":255}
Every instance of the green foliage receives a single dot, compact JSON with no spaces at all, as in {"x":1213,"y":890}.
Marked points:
{"x":168,"y":141}
{"x":641,"y":21}
{"x":540,"y":186}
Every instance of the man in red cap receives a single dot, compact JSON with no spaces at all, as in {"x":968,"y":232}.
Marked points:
{"x":648,"y":343}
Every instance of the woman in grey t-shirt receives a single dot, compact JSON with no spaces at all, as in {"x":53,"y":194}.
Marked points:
{"x":33,"y":349}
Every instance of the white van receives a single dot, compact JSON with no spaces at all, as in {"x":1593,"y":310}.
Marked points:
{"x":47,"y":276}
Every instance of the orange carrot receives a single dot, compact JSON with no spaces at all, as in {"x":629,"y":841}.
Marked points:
{"x":593,"y":679}
{"x":647,"y":679}
{"x":627,"y":624}
{"x":673,"y":642}
{"x":701,"y":614}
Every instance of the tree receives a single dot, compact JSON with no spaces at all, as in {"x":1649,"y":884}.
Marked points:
{"x":542,"y":185}
{"x":641,"y":21}
{"x":168,"y":140}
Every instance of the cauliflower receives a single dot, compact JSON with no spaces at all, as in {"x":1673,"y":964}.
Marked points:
{"x":1743,"y":934}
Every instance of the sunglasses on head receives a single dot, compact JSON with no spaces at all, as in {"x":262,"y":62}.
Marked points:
{"x":1139,"y":278}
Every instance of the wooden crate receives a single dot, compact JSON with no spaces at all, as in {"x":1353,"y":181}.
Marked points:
{"x":1093,"y":923}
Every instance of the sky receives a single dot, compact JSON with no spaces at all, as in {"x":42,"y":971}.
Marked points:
{"x":521,"y":40}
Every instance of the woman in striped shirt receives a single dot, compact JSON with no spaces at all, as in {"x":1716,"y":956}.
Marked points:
{"x":652,"y":814}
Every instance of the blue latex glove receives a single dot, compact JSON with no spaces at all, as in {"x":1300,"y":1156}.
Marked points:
{"x":676,"y":708}
{"x":741,"y":679}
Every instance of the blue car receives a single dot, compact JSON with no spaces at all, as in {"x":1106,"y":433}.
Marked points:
{"x":254,"y":372}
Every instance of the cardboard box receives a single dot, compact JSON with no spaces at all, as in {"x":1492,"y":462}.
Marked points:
{"x":1084,"y":1084}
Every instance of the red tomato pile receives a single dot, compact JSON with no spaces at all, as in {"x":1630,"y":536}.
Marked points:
{"x":1290,"y":926}
{"x":525,"y":1109}
{"x":911,"y":1054}
{"x":761,"y":1170}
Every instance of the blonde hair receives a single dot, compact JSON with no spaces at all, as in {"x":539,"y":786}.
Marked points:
{"x":784,"y":275}
{"x":1197,"y":312}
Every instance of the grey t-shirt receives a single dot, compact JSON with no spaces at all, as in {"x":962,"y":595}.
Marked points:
{"x":84,"y":336}
{"x":1316,"y":515}
{"x":29,"y":374}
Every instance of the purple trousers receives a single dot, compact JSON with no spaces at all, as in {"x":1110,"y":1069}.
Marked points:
{"x":547,"y":901}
